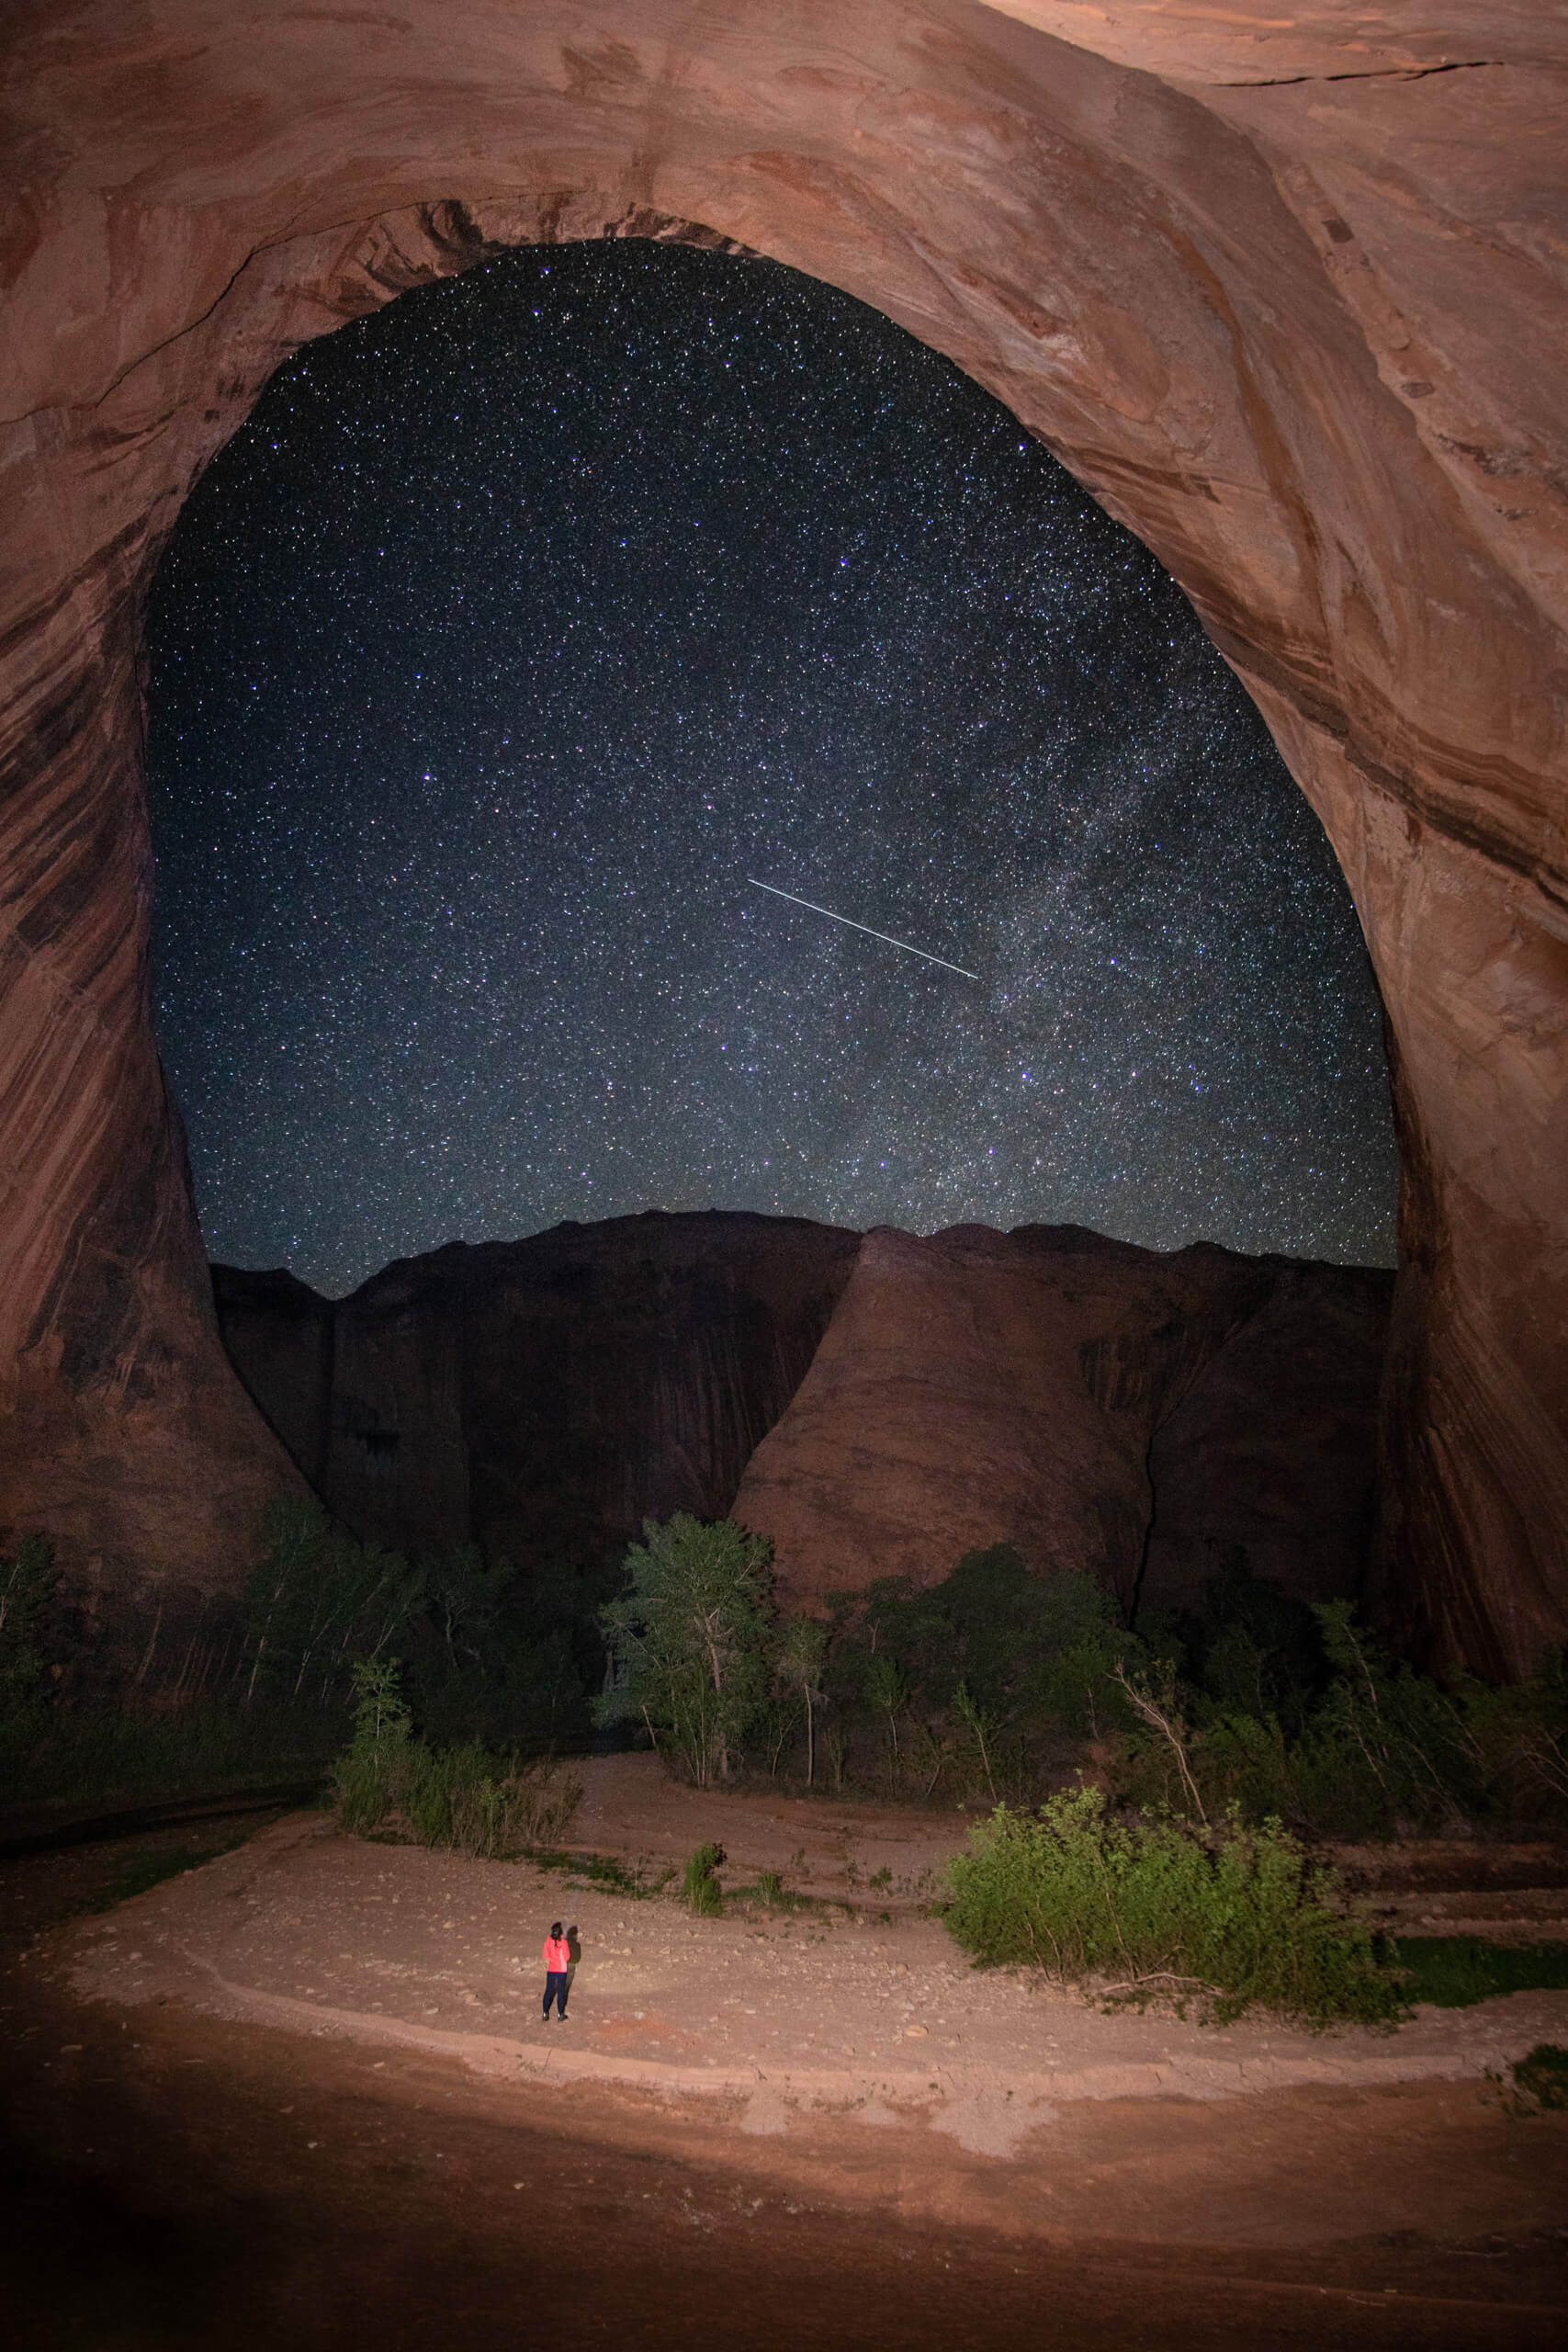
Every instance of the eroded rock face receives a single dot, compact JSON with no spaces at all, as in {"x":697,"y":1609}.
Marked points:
{"x":541,"y":1398}
{"x":1271,"y":1450}
{"x":1100,"y":1407}
{"x":1284,"y":289}
{"x":877,"y":1406}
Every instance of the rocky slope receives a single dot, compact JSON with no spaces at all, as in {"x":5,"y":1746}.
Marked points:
{"x":877,"y":1405}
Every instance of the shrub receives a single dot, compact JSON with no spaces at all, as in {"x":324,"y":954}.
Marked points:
{"x":462,"y":1797}
{"x":1540,"y":2079}
{"x":1233,"y":1919}
{"x":486,"y":1805}
{"x":1456,"y":1972}
{"x":699,"y":1885}
{"x":373,"y":1774}
{"x":105,"y":1753}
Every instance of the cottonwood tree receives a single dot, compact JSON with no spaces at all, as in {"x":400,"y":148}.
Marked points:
{"x":802,"y":1654}
{"x":318,"y":1600}
{"x":689,"y":1640}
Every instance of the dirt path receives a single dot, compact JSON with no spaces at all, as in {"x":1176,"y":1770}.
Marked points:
{"x":868,"y":2011}
{"x":306,"y":2084}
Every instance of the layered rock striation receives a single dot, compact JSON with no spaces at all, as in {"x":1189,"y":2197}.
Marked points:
{"x":1286,"y":289}
{"x":1102,"y":1408}
{"x":541,"y":1398}
{"x":877,"y":1406}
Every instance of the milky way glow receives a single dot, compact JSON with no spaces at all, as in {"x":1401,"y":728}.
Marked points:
{"x":903,"y":945}
{"x":522,"y":621}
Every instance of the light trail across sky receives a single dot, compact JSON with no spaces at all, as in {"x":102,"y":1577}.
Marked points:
{"x":902,"y":945}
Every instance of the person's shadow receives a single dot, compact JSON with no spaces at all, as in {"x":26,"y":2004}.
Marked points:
{"x":574,"y":1946}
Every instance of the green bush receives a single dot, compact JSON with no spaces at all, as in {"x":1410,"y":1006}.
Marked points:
{"x":700,"y":1885}
{"x":463,"y":1797}
{"x":1541,"y":2080}
{"x":1374,"y":1751}
{"x":981,"y":1685}
{"x":486,"y":1805}
{"x":1231,"y":1920}
{"x":106,"y":1755}
{"x":1455,"y":1971}
{"x":373,"y":1774}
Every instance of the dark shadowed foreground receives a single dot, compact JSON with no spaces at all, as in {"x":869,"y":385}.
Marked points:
{"x":172,"y":2180}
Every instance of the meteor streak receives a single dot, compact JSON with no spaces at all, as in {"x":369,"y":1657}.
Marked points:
{"x":902,"y":945}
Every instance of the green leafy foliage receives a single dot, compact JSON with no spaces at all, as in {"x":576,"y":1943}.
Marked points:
{"x":117,"y":1755}
{"x":1539,"y":2080}
{"x":1230,"y":1920}
{"x":1455,"y":1971}
{"x":485,"y":1652}
{"x":317,"y":1600}
{"x":463,"y":1797}
{"x":700,"y":1882}
{"x":372,"y":1774}
{"x":690,"y":1642}
{"x":798,"y":1660}
{"x":1346,"y":1742}
{"x":981,"y":1685}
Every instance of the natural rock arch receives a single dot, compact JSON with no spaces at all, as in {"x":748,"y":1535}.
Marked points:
{"x":1287,"y":295}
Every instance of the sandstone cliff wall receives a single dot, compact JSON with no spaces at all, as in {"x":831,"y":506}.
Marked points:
{"x":877,"y":1405}
{"x":1288,"y":290}
{"x":541,"y":1398}
{"x":1102,"y":1408}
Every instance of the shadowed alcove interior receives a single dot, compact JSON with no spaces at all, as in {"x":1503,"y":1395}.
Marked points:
{"x":1215,"y":272}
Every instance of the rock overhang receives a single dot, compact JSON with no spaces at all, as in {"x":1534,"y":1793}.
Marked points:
{"x":1285,"y":296}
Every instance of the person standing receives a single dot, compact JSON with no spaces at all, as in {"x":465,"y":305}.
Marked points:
{"x":557,"y":1966}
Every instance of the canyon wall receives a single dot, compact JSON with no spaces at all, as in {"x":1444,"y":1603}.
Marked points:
{"x":878,"y":1407}
{"x":542,"y":1397}
{"x":1102,"y":1408}
{"x":1285,"y":290}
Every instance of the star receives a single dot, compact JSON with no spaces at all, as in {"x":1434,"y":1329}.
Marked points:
{"x":524,"y":619}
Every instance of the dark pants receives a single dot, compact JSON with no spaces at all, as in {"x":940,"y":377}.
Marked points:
{"x":555,"y":1990}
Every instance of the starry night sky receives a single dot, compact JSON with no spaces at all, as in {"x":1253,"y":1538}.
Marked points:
{"x":523,"y":621}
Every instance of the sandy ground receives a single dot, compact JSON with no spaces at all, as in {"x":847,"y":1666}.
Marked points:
{"x":795,"y":2104}
{"x":865,"y":2008}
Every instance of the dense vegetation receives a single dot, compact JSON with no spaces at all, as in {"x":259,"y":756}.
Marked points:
{"x":263,"y":1691}
{"x":1147,"y":1793}
{"x":997,"y":1686}
{"x":994,"y":1686}
{"x":463,"y":1797}
{"x":1148,"y":1905}
{"x":1194,"y":1754}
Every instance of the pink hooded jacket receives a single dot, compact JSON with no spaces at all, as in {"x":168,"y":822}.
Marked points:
{"x":557,"y":1955}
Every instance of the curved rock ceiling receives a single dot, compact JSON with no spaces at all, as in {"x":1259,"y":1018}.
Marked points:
{"x":1284,"y":289}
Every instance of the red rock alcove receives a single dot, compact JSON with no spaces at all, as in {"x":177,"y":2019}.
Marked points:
{"x":1286,"y":293}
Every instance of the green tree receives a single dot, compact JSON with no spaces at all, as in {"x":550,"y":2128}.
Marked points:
{"x":372,"y":1775}
{"x":802,"y":1653}
{"x":318,"y":1600}
{"x":887,"y":1692}
{"x":689,"y":1640}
